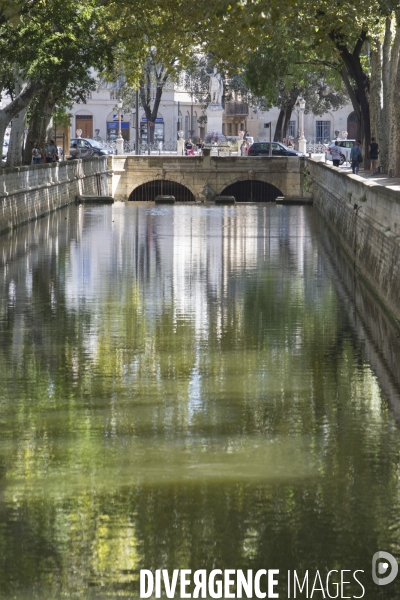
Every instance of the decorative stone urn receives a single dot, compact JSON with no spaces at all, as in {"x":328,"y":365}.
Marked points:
{"x":180,"y":144}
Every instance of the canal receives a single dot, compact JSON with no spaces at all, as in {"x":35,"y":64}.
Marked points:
{"x":192,"y":387}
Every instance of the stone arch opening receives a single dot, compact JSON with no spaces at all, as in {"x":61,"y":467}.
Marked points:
{"x":148,"y":191}
{"x":252,"y":191}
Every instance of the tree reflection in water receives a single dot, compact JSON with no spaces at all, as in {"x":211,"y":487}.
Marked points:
{"x":183,"y":387}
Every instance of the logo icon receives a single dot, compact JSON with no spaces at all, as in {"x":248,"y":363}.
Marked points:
{"x":382,"y":568}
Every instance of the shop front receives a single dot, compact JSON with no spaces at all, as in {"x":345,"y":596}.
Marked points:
{"x":158,"y":129}
{"x":112,"y":131}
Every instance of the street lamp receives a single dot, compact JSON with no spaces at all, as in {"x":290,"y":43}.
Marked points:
{"x":302,"y":140}
{"x":120,"y":139}
{"x":302,"y":105}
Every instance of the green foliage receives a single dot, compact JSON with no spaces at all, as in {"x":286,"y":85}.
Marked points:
{"x":307,"y":180}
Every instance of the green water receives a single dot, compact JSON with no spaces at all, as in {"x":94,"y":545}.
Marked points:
{"x":190,"y":387}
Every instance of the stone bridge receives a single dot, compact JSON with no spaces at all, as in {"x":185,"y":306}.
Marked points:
{"x":201,"y":178}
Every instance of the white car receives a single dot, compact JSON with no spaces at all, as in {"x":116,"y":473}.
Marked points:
{"x":346,"y":146}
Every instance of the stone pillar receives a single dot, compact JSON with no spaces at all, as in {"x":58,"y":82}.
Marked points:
{"x":303,"y":145}
{"x":214,"y":118}
{"x":180,"y":144}
{"x":120,"y":145}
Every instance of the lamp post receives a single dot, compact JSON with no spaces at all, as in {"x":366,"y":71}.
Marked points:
{"x":120,"y":139}
{"x":137,"y":123}
{"x":302,"y":139}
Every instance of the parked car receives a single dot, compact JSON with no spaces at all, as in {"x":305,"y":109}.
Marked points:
{"x":90,"y":147}
{"x":345,"y":144}
{"x":278,"y":149}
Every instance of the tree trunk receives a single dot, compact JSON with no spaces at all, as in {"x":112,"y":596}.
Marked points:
{"x":384,"y":117}
{"x":393,"y":112}
{"x":286,"y":123}
{"x":154,"y":112}
{"x":151,"y":72}
{"x":355,"y":71}
{"x":40,"y":123}
{"x":376,"y":92}
{"x":397,"y":148}
{"x":16,"y":147}
{"x":353,"y":98}
{"x":278,"y":137}
{"x":17,"y":105}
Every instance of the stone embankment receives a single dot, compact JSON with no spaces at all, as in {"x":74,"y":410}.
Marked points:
{"x":27,"y":193}
{"x":365,"y":217}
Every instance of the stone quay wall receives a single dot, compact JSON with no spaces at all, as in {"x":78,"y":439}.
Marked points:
{"x":365,"y":217}
{"x":27,"y":193}
{"x":195,"y":172}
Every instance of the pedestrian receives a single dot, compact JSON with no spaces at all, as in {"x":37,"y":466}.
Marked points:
{"x":37,"y":154}
{"x":373,"y":154}
{"x":243,"y":148}
{"x":336,"y":153}
{"x":289,"y":144}
{"x":284,"y":142}
{"x":75,"y":152}
{"x":51,"y":152}
{"x":359,"y":144}
{"x":189,"y":148}
{"x":200,"y":146}
{"x":355,"y":156}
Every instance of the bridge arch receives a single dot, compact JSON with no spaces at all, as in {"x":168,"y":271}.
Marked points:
{"x":252,"y":190}
{"x":146,"y":192}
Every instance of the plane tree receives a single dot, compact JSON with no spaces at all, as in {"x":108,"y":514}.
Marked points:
{"x":49,"y":53}
{"x":157,"y":42}
{"x":337,"y":35}
{"x":281,"y":80}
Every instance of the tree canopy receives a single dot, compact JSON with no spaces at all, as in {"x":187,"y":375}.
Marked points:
{"x":277,"y":48}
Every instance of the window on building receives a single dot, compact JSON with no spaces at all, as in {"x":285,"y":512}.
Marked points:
{"x":323,"y":131}
{"x":291,"y":132}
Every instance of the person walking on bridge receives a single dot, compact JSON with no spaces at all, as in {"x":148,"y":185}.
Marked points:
{"x":336,"y":153}
{"x":355,"y":157}
{"x":37,"y":154}
{"x":51,"y":152}
{"x":373,"y":154}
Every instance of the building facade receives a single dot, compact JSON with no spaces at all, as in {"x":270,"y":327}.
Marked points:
{"x":179,"y":111}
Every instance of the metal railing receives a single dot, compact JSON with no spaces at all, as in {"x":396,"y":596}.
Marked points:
{"x":154,"y":148}
{"x":317,"y":148}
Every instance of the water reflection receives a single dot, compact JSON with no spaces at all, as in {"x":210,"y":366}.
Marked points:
{"x":189,"y":387}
